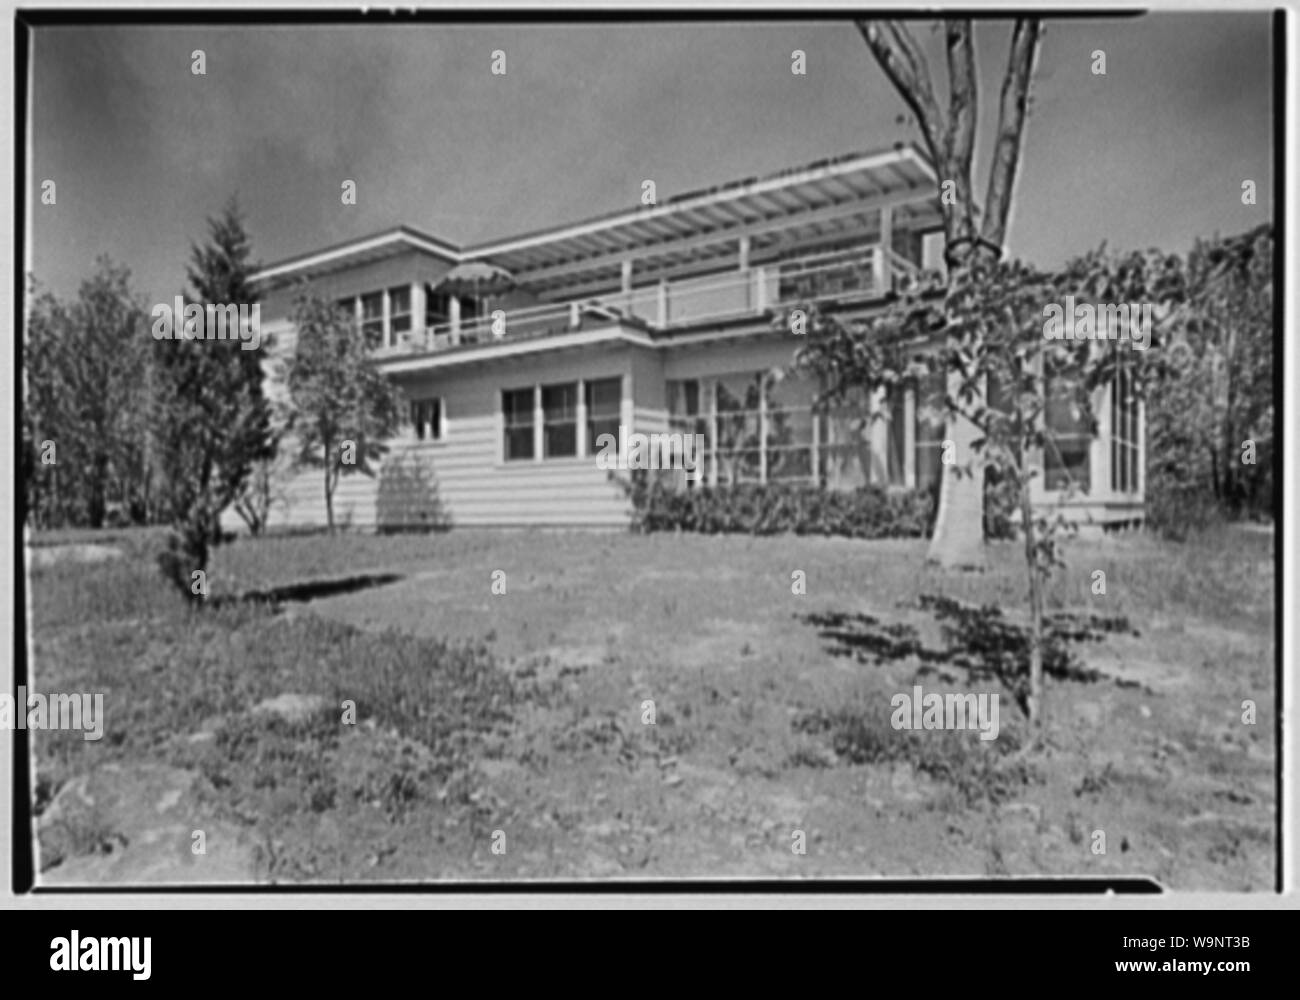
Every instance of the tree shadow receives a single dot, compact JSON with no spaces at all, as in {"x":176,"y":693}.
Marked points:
{"x":308,"y":591}
{"x":978,"y":640}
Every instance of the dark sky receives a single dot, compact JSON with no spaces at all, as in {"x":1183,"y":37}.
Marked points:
{"x":1151,"y":154}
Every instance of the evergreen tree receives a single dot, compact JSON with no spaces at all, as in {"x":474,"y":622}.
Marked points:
{"x":211,"y":419}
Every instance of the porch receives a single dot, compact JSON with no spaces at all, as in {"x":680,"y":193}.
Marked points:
{"x":845,"y":277}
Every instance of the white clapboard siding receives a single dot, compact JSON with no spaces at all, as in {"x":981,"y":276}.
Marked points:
{"x":455,"y":482}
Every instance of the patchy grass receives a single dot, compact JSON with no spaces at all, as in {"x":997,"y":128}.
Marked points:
{"x":525,"y":713}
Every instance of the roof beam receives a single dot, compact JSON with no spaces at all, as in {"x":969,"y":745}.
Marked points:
{"x":729,"y":262}
{"x":888,"y":200}
{"x":724,"y":194}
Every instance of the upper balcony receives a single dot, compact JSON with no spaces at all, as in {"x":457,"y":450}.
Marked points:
{"x":841,"y":278}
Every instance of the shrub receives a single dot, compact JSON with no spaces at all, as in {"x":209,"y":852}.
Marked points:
{"x":1001,"y":505}
{"x":1176,"y":509}
{"x":775,"y":508}
{"x":976,"y":770}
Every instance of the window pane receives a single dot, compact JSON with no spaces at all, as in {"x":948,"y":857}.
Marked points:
{"x":560,"y":428}
{"x":519,"y":443}
{"x":738,"y":428}
{"x":517,"y":410}
{"x":560,"y":402}
{"x":789,"y":463}
{"x":1124,"y":432}
{"x":517,"y":405}
{"x":1065,"y":463}
{"x":399,"y":299}
{"x":426,"y":417}
{"x":604,"y":410}
{"x":789,"y":443}
{"x":930,"y":395}
{"x":437,"y":307}
{"x":895,"y":466}
{"x":560,"y":440}
{"x":605,"y":397}
{"x":1069,"y":442}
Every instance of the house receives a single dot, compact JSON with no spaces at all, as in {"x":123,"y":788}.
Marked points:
{"x":657,"y":319}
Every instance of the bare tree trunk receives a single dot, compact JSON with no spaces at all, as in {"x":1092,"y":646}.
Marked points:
{"x":98,"y":491}
{"x":958,"y":539}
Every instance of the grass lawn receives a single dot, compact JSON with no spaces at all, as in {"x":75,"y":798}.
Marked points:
{"x":516,"y":719}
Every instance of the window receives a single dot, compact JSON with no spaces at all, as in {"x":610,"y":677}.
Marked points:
{"x":604,"y":398}
{"x":399,"y":311}
{"x":740,"y":452}
{"x":684,"y":417}
{"x":372,"y":319}
{"x":930,"y":396}
{"x":845,"y":450}
{"x":348,"y":307}
{"x":896,"y":437}
{"x":738,"y":445}
{"x":1124,"y":433}
{"x":789,"y":428}
{"x":517,"y":411}
{"x":426,"y":419}
{"x":560,"y":420}
{"x":437,"y":307}
{"x":1069,"y":441}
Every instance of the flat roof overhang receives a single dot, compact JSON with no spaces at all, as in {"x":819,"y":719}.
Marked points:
{"x":696,"y":232}
{"x":685,"y":235}
{"x":473,"y":354}
{"x":355,"y":252}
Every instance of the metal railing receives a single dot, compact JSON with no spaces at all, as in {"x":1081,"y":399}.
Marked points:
{"x":841,"y":276}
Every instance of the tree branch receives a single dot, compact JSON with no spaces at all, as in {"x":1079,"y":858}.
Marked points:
{"x":962,"y":103}
{"x":1011,"y":123}
{"x":904,"y":64}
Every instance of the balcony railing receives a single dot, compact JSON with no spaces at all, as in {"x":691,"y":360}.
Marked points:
{"x":842,"y":277}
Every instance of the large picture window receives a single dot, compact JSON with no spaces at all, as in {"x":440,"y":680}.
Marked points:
{"x":517,"y":413}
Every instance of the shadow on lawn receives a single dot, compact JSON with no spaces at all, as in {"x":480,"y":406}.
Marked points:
{"x":978,"y":640}
{"x":310,"y":591}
